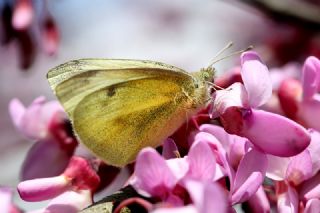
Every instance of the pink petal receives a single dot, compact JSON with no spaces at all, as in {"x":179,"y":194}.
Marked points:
{"x":235,"y":95}
{"x":42,"y":188}
{"x":43,"y":210}
{"x":184,"y":209}
{"x":310,"y":77}
{"x":275,"y":134}
{"x":309,"y":112}
{"x":214,"y":199}
{"x":174,"y":200}
{"x":32,"y":124}
{"x":259,"y":202}
{"x":256,"y":78}
{"x":41,"y":155}
{"x":252,"y":161}
{"x":312,"y":206}
{"x":233,"y":144}
{"x":249,"y":176}
{"x":82,"y":173}
{"x":207,"y":196}
{"x":314,"y":150}
{"x":237,"y":150}
{"x":202,"y":162}
{"x":23,"y":14}
{"x":179,"y":167}
{"x":218,"y":132}
{"x":290,"y":70}
{"x":70,"y":202}
{"x":249,"y":187}
{"x":50,"y":35}
{"x":277,"y":167}
{"x":299,"y":168}
{"x":214,"y":145}
{"x":220,"y":153}
{"x":311,"y":188}
{"x":196,"y":191}
{"x":50,"y":108}
{"x":16,"y":110}
{"x":6,"y":199}
{"x":208,"y":138}
{"x":169,"y":149}
{"x":289,"y":95}
{"x":288,"y":201}
{"x":294,"y":198}
{"x":219,"y":173}
{"x":153,"y":174}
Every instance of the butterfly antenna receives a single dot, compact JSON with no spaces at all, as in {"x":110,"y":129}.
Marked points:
{"x":228,"y":45}
{"x":215,"y":59}
{"x":214,"y":86}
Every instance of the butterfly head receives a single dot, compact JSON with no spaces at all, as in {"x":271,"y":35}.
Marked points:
{"x":207,"y":74}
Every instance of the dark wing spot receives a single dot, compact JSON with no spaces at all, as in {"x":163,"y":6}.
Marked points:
{"x":111,"y":91}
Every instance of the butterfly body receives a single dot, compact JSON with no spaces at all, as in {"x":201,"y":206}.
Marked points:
{"x":117,"y":107}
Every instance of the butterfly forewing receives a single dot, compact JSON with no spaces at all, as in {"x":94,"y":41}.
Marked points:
{"x":119,"y":106}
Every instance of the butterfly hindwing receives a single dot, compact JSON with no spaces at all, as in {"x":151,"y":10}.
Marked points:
{"x":117,"y":121}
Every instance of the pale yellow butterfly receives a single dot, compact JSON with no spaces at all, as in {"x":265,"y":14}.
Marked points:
{"x":119,"y":106}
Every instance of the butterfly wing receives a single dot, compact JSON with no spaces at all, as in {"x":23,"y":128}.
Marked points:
{"x":118,"y":107}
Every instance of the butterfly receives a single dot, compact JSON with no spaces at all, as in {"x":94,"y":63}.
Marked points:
{"x":119,"y":106}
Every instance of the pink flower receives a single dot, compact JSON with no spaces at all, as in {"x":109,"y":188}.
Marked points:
{"x":296,"y":178}
{"x":23,"y":14}
{"x":25,"y":22}
{"x":309,"y":108}
{"x":207,"y":197}
{"x":46,"y":123}
{"x":152,"y":174}
{"x":156,"y":177}
{"x":6,"y":204}
{"x":272,"y":133}
{"x":300,"y":99}
{"x":207,"y":161}
{"x":249,"y":164}
{"x":69,"y":192}
{"x":36,"y":120}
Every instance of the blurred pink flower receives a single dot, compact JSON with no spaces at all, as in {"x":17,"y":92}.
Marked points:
{"x":22,"y":22}
{"x":45,"y":122}
{"x":206,"y":196}
{"x":35,"y":121}
{"x":22,"y":15}
{"x":309,"y":108}
{"x":6,"y":204}
{"x":69,"y":192}
{"x":299,"y":99}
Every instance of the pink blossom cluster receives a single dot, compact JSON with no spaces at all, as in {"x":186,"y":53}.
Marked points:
{"x":258,"y":150}
{"x":257,"y":158}
{"x":23,"y":22}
